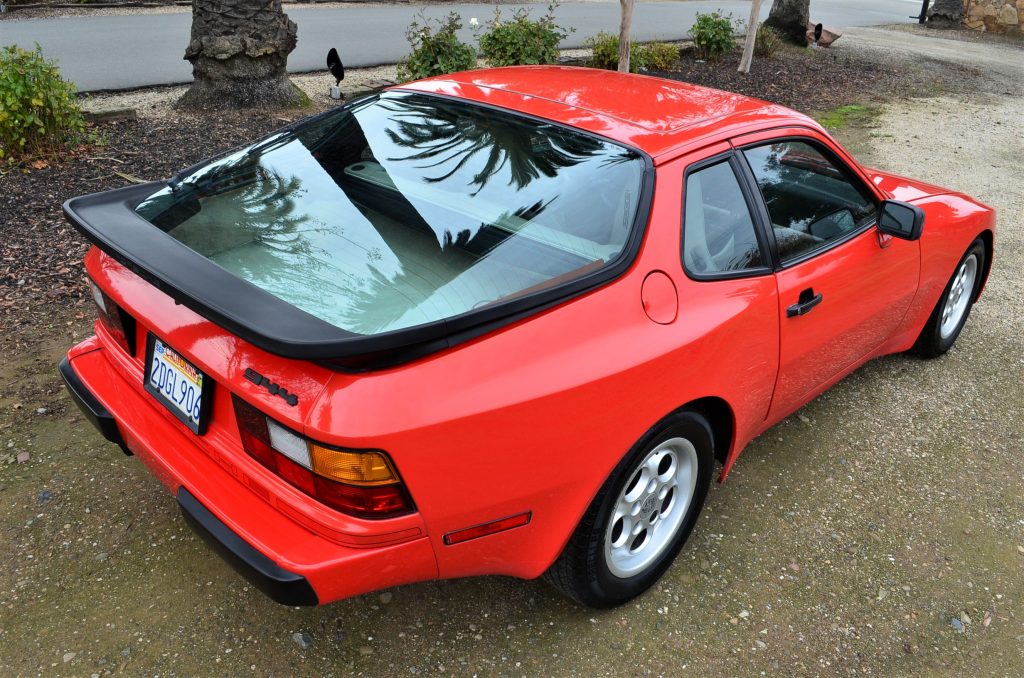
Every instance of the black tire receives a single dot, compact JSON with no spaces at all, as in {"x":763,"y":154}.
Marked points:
{"x":582,"y":571}
{"x":932,"y":342}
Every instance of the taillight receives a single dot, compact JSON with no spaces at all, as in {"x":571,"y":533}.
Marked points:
{"x":121,"y":325}
{"x":361,"y":483}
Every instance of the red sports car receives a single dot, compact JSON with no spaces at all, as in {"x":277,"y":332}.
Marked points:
{"x":500,"y":322}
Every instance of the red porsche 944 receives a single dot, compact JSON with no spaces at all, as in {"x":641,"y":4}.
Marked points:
{"x":500,"y":322}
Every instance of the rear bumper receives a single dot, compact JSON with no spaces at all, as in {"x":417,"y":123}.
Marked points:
{"x":278,"y":583}
{"x":91,"y":407}
{"x":286,"y":560}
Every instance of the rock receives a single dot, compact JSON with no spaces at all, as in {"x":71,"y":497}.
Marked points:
{"x":303,"y":640}
{"x":385,"y":597}
{"x":804,"y":418}
{"x":1007,"y":15}
{"x":42,"y":410}
{"x":111,"y":115}
{"x":883,"y":594}
{"x":946,"y":13}
{"x":127,"y":652}
{"x":68,"y":656}
{"x":44,"y":496}
{"x":760,"y":644}
{"x":23,"y":457}
{"x":744,"y":614}
{"x":1020,"y":550}
{"x":102,"y":556}
{"x":957,"y":625}
{"x":965,"y":618}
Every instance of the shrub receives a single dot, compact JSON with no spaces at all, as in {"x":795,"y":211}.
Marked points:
{"x":656,"y":56}
{"x":768,"y":41}
{"x":604,"y":49}
{"x":521,"y":40}
{"x":713,"y":35}
{"x":38,"y":111}
{"x":436,"y":49}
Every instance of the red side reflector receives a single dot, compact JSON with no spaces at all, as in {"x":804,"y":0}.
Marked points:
{"x":459,"y":536}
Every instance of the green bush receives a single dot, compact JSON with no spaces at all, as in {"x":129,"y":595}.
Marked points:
{"x":713,"y":35}
{"x":436,"y":49}
{"x":522,"y":41}
{"x":655,"y":56}
{"x":768,"y":41}
{"x":604,"y":49}
{"x":38,"y":111}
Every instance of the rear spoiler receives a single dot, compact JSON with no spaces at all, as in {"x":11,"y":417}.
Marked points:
{"x":109,"y":221}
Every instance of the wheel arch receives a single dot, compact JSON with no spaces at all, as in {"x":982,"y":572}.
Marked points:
{"x":988,"y":240}
{"x":722,"y":420}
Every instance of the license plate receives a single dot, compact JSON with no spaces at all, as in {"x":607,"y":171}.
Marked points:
{"x":178,"y":384}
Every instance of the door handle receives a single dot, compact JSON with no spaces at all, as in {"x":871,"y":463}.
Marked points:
{"x":808,"y":300}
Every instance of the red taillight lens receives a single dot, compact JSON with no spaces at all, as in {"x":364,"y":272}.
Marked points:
{"x":121,"y":325}
{"x":373,"y":490}
{"x":362,"y":501}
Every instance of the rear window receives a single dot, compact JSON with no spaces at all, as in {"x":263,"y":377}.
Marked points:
{"x":408,"y":209}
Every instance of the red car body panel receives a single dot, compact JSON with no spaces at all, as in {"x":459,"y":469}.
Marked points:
{"x":533,"y":416}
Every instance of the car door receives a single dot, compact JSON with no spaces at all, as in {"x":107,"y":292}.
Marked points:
{"x":843,"y":287}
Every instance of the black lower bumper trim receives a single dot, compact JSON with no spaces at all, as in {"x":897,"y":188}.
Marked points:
{"x":90,"y":406}
{"x":279,"y":584}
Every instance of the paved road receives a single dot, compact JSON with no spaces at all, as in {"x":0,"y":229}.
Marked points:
{"x":121,"y":52}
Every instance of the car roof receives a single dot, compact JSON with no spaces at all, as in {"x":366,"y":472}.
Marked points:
{"x":656,"y":115}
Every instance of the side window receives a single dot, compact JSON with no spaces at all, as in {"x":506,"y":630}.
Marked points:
{"x":810,"y":199}
{"x":718,"y":233}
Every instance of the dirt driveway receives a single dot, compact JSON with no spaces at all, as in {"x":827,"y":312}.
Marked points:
{"x":879,"y":531}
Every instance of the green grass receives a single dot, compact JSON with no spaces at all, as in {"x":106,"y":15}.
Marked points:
{"x":859,"y":115}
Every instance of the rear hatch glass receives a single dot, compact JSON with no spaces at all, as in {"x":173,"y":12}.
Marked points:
{"x":407,"y":209}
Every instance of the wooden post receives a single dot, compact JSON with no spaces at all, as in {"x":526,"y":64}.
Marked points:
{"x":624,"y":29}
{"x":748,"y":44}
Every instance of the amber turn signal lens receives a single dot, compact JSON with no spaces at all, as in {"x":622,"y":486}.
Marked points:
{"x":353,"y":468}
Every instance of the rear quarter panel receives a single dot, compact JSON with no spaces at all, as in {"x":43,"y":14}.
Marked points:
{"x":535,"y":416}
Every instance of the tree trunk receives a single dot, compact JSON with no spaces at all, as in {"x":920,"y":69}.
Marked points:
{"x":624,"y":27}
{"x":790,"y":17}
{"x":748,"y":42}
{"x":239,"y":53}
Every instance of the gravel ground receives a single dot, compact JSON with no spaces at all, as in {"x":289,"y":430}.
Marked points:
{"x":879,"y":531}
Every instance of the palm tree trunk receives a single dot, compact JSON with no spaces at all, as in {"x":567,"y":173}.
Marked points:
{"x":790,"y":18}
{"x":239,"y":53}
{"x":624,"y":28}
